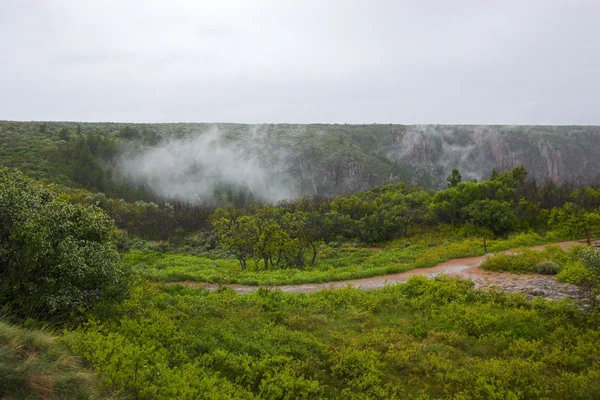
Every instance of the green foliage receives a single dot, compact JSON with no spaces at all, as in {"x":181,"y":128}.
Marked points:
{"x":491,"y":204}
{"x":454,"y":178}
{"x":34,"y":366}
{"x":381,"y":226}
{"x":547,"y":268}
{"x":346,"y":261}
{"x":278,"y":239}
{"x":493,"y":215}
{"x":590,"y":257}
{"x":548,"y":261}
{"x":573,"y":220}
{"x":424,"y":339}
{"x":55,"y":258}
{"x":575,"y":273}
{"x":584,"y":271}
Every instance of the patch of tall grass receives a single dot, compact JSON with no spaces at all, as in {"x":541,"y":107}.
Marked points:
{"x":548,"y":261}
{"x":346,"y":262}
{"x":34,"y":366}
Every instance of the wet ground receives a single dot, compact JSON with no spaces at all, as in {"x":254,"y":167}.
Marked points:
{"x":467,"y":268}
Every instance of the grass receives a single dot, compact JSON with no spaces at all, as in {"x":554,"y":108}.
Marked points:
{"x":428,"y":339}
{"x":530,"y":261}
{"x":334,"y":264}
{"x":34,"y":366}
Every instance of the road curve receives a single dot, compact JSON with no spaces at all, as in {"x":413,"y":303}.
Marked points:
{"x":465,"y":267}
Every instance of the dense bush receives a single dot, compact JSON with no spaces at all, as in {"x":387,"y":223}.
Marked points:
{"x":55,"y":258}
{"x":547,"y":268}
{"x":575,"y":273}
{"x":590,"y":257}
{"x":524,"y":261}
{"x":436,"y":339}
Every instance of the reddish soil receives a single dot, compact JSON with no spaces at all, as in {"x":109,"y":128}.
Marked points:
{"x":467,"y":268}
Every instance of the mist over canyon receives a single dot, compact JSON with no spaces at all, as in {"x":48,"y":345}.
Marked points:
{"x":272,"y":162}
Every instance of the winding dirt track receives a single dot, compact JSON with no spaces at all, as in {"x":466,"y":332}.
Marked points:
{"x":467,"y":268}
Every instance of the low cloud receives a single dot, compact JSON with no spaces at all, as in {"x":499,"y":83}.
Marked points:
{"x":196,"y":167}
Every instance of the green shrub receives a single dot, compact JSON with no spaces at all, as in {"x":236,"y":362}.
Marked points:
{"x":522,"y":262}
{"x":547,"y":261}
{"x":55,"y":258}
{"x":574,"y":272}
{"x":428,"y":338}
{"x":591,"y":259}
{"x":547,"y":268}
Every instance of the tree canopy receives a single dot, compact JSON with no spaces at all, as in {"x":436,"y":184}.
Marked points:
{"x":56,"y":258}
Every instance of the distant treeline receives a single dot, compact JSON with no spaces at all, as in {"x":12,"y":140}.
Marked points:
{"x":281,"y":234}
{"x":82,"y":160}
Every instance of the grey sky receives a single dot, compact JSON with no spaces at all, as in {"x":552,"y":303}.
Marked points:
{"x":346,"y":61}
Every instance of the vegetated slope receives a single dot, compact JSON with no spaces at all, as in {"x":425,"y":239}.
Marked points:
{"x":424,"y":339}
{"x":434,"y":339}
{"x":275,"y":161}
{"x":34,"y":366}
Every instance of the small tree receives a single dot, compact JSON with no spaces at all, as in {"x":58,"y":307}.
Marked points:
{"x":497,"y":216}
{"x":454,"y":178}
{"x":270,"y":242}
{"x":238,"y":236}
{"x":64,"y":134}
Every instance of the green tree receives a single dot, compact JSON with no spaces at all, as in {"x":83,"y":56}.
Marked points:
{"x":314,"y":231}
{"x":518,"y":174}
{"x":55,"y":258}
{"x":454,"y":178}
{"x":270,"y":242}
{"x":64,"y":134}
{"x":494,"y":175}
{"x":383,"y":225}
{"x":238,"y":235}
{"x":572,"y":220}
{"x":299,"y":240}
{"x":497,"y":216}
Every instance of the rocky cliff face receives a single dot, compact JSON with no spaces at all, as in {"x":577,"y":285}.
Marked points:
{"x":342,"y":159}
{"x":427,"y":154}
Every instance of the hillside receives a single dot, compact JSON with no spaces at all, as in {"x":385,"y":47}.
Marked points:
{"x":148,"y":339}
{"x":209,"y":162}
{"x":34,"y":365}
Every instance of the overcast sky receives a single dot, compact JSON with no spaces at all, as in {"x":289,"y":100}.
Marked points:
{"x":345,"y":61}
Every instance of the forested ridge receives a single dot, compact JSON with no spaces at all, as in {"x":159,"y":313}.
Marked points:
{"x":162,"y":161}
{"x":85,"y":250}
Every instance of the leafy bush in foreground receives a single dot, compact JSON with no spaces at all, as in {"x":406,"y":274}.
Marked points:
{"x":437,"y":339}
{"x":55,"y":258}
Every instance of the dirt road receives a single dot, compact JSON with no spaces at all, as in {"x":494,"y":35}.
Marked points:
{"x":467,"y":268}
